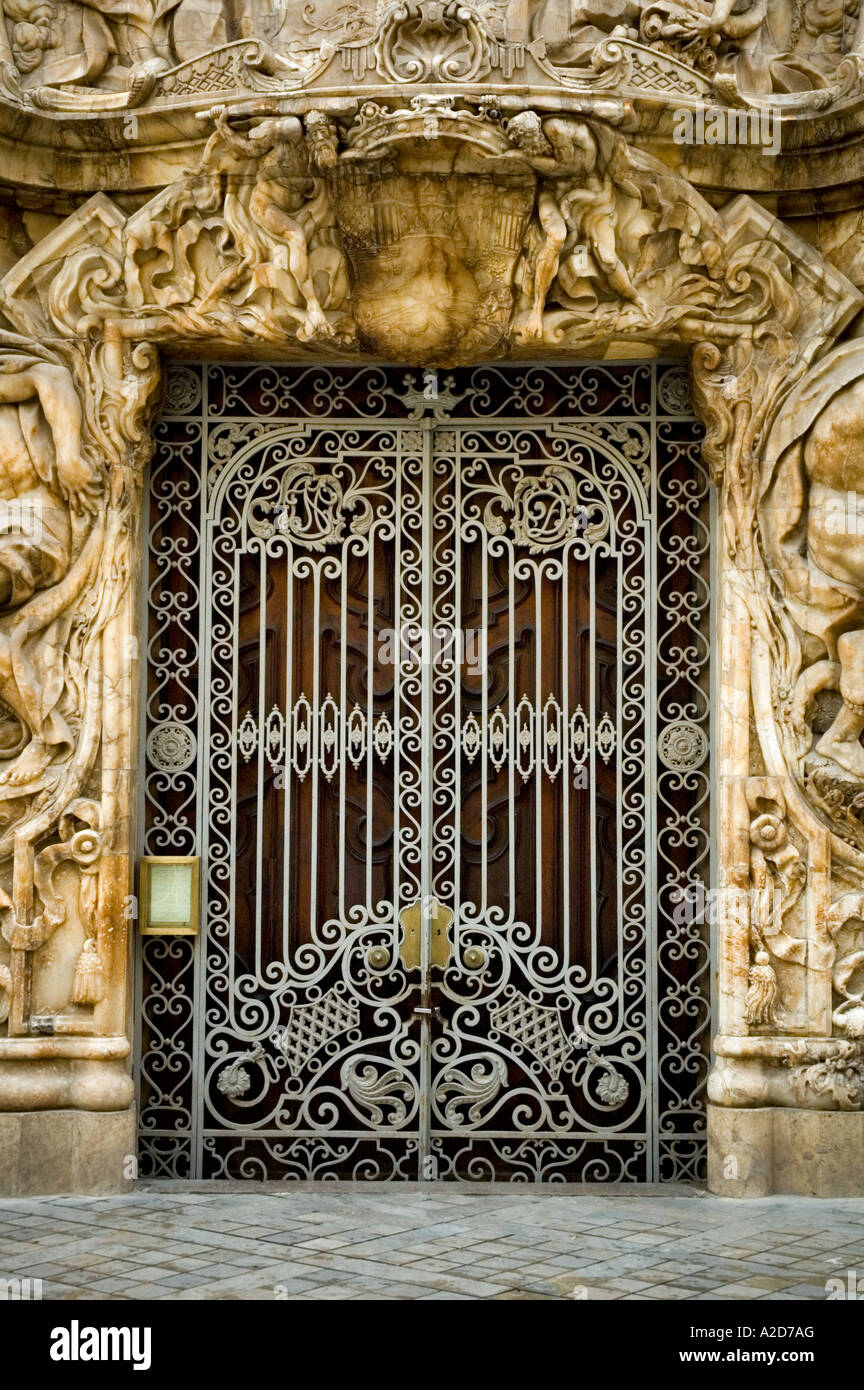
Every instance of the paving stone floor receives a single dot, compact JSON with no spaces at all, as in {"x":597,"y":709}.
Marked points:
{"x":335,"y":1241}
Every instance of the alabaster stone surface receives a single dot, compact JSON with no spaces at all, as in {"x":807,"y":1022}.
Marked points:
{"x":433,"y":183}
{"x":759,"y":47}
{"x":72,"y":1151}
{"x":802,"y":1153}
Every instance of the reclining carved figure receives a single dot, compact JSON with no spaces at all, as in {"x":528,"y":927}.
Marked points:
{"x":756,"y":45}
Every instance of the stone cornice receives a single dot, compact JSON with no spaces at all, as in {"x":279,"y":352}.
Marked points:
{"x":72,"y":140}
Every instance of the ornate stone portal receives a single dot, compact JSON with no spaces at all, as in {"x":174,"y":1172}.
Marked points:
{"x":435,"y":184}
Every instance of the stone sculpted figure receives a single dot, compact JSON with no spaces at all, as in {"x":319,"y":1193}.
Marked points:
{"x":50,"y":540}
{"x":757,"y":46}
{"x":276,"y":201}
{"x":755,"y":40}
{"x":572,"y":29}
{"x":252,"y":236}
{"x":577,"y":213}
{"x":813,"y":521}
{"x":109,"y":43}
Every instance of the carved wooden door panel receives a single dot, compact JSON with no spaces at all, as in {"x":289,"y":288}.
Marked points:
{"x":443,"y":783}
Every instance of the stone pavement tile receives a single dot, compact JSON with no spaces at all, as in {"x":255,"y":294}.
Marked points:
{"x":735,"y":1291}
{"x":394,"y":1256}
{"x":256,"y":1232}
{"x":265,"y":1254}
{"x":42,"y":1271}
{"x":451,"y":1297}
{"x":322,"y":1243}
{"x":779,"y":1257}
{"x":109,"y":1286}
{"x":92,"y":1296}
{"x":380,"y":1270}
{"x":782,"y":1297}
{"x":183,"y":1281}
{"x":151,"y":1273}
{"x":673,"y":1292}
{"x":800,"y":1253}
{"x":422,"y":1250}
{"x":602,"y":1293}
{"x":145,"y":1290}
{"x":701,"y":1282}
{"x":499,"y":1261}
{"x":391,"y":1242}
{"x":286,"y":1238}
{"x":624,"y":1264}
{"x":526,"y":1295}
{"x":633,"y":1285}
{"x":440,"y":1229}
{"x":333,"y":1291}
{"x":285,"y":1287}
{"x":57,"y":1288}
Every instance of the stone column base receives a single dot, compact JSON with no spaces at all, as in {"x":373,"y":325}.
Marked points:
{"x":45,"y":1152}
{"x":808,"y":1153}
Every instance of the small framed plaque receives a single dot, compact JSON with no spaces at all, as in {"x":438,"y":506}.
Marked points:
{"x":169,"y":895}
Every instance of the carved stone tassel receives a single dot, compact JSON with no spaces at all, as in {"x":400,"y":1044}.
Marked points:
{"x":762,"y":993}
{"x":88,"y":986}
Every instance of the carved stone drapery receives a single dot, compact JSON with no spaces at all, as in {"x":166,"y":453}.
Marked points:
{"x":303,"y":234}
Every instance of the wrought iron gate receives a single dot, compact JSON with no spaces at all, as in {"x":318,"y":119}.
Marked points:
{"x":426,"y":688}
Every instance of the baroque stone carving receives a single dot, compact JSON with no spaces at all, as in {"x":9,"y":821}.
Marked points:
{"x":434,"y":231}
{"x":243,"y":243}
{"x":338,"y":233}
{"x":64,"y":572}
{"x":778,"y":876}
{"x":810,"y":519}
{"x":766,"y":46}
{"x":805,"y":54}
{"x":117,"y":44}
{"x":838,"y":1079}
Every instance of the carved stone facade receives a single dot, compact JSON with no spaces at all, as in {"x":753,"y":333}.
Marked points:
{"x":439,"y":183}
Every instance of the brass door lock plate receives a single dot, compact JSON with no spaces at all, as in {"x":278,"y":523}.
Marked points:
{"x":437,"y":919}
